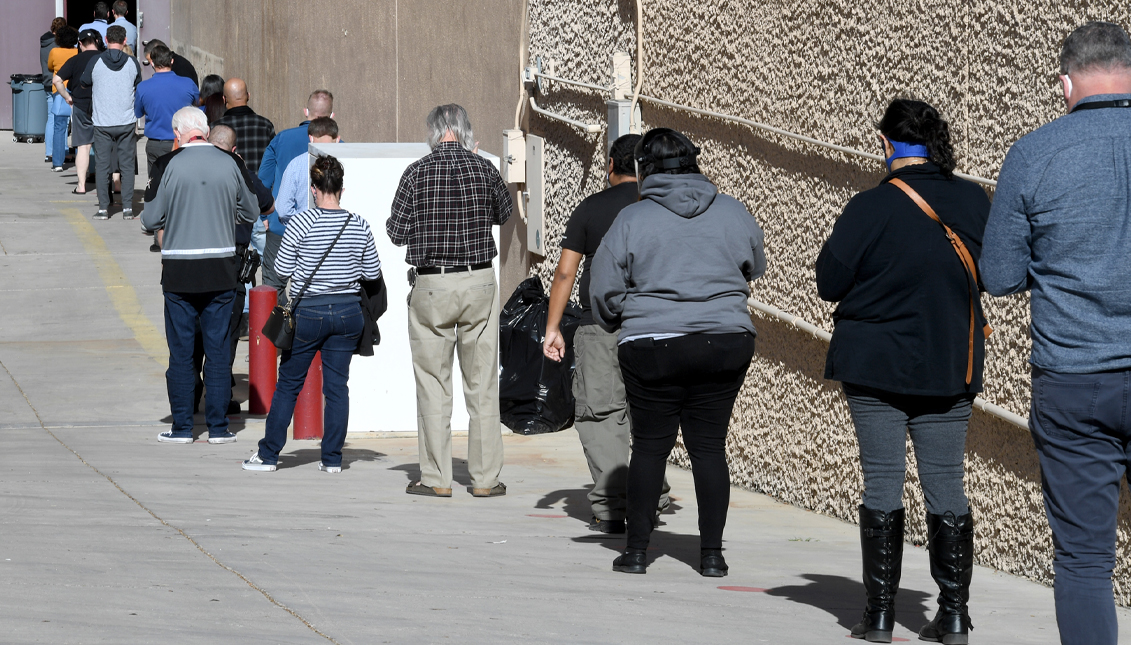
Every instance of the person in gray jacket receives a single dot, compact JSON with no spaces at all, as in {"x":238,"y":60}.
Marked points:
{"x":673,"y":275}
{"x":112,"y":78}
{"x":201,"y":196}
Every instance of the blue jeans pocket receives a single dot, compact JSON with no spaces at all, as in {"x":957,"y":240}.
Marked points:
{"x":307,"y":328}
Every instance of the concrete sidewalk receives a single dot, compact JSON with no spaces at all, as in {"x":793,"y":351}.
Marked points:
{"x":107,"y":536}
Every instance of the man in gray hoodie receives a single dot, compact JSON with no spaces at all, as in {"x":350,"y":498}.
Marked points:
{"x":201,"y":196}
{"x":112,"y":78}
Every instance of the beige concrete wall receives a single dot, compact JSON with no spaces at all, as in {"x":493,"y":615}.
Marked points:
{"x":388,"y":62}
{"x":827,"y":69}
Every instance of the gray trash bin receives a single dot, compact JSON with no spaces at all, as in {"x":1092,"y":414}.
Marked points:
{"x":29,"y":108}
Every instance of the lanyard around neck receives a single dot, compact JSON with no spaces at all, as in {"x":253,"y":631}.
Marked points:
{"x":1095,"y":105}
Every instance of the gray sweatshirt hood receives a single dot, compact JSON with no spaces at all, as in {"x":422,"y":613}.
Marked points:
{"x":685,"y":195}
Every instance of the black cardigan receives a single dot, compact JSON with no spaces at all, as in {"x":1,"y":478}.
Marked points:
{"x":903,"y":321}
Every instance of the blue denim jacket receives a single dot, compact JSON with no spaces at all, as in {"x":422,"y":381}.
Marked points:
{"x":1060,"y":227}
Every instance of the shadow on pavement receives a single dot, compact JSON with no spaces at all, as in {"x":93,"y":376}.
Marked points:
{"x":845,"y":598}
{"x":460,"y":473}
{"x":575,"y":502}
{"x":304,"y":456}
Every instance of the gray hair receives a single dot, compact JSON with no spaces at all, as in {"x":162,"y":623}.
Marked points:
{"x":449,"y":118}
{"x":1096,"y":46}
{"x":187,"y":119}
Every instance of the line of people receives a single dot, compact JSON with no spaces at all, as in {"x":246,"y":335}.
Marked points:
{"x":905,"y":263}
{"x":667,"y":338}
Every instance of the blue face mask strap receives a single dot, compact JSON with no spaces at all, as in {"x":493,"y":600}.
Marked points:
{"x":904,"y":150}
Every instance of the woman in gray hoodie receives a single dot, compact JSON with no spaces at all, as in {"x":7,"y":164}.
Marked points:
{"x":672,"y":275}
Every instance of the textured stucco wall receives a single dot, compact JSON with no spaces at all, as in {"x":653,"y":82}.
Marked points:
{"x":828,"y":69}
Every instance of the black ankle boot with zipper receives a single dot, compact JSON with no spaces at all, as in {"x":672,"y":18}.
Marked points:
{"x":881,"y":545}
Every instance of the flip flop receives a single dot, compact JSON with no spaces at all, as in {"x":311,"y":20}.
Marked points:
{"x":417,"y":488}
{"x":76,"y":192}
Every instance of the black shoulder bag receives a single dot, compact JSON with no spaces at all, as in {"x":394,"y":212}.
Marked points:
{"x":280,"y":325}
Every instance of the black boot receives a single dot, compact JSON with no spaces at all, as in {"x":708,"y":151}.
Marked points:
{"x":712,"y":564}
{"x":951,"y":542}
{"x":881,"y":544}
{"x":632,"y":561}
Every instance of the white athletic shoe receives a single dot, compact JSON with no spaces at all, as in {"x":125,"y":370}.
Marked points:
{"x":329,"y":469}
{"x":167,"y":437}
{"x":255,"y":463}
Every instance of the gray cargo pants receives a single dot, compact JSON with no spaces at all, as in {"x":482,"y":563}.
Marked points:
{"x":602,"y":421}
{"x":115,"y":146}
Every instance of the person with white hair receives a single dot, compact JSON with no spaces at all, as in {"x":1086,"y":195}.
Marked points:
{"x":194,"y":200}
{"x":443,"y":211}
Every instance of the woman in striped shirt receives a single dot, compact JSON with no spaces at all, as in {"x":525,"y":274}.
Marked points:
{"x":328,"y":313}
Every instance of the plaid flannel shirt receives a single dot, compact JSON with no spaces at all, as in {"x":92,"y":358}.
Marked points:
{"x":445,"y":206}
{"x":253,"y":134}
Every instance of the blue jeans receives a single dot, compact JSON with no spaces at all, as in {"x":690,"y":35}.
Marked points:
{"x":1082,"y":433}
{"x":49,"y":132}
{"x":214,"y":312}
{"x":60,"y":120}
{"x":334,"y":330}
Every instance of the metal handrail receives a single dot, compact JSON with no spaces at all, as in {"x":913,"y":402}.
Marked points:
{"x":817,"y":332}
{"x":591,"y":128}
{"x":793,"y":135}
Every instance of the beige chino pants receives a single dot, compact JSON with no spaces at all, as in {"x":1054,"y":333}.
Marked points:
{"x":456,"y":312}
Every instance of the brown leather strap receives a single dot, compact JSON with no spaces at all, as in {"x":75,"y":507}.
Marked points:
{"x":963,"y":256}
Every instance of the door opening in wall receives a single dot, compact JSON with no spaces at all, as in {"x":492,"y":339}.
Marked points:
{"x":80,"y":12}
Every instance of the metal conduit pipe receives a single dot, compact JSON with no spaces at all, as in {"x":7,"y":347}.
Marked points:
{"x":591,"y":128}
{"x":817,"y":332}
{"x":599,"y":88}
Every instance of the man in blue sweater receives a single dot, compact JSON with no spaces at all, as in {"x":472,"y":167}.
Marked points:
{"x":284,"y":148}
{"x":157,"y":99}
{"x":1060,"y":228}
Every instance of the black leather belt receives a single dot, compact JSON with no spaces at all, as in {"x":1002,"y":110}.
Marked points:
{"x":460,"y":269}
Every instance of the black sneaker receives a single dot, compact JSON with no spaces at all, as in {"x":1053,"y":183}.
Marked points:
{"x":631,"y":561}
{"x":614,"y":527}
{"x":102,"y":214}
{"x":128,"y":213}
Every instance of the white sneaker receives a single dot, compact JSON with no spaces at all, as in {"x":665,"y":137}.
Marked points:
{"x":227,"y":437}
{"x":329,"y":469}
{"x":255,"y":463}
{"x":167,"y":437}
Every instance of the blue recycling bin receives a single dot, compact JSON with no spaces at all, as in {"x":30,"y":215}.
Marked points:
{"x":29,"y":108}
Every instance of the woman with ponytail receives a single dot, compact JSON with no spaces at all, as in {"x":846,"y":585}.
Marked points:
{"x":325,"y":253}
{"x":908,"y":348}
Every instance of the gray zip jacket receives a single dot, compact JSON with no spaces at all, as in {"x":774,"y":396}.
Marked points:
{"x":677,"y":262}
{"x":201,"y":196}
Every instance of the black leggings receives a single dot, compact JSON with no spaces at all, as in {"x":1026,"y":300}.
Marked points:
{"x":688,"y":382}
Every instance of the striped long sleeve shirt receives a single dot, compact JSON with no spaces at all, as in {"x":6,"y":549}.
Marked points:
{"x":309,"y":234}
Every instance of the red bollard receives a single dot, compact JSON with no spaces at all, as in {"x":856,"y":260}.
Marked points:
{"x":263,"y":361}
{"x":308,"y":408}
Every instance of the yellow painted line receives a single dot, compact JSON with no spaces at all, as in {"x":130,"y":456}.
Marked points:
{"x":118,"y":288}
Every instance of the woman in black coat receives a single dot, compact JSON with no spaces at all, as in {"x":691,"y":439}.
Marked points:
{"x":908,"y":348}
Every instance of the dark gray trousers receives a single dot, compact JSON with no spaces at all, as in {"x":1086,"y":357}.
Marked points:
{"x":1082,"y":430}
{"x":938,"y":432}
{"x":270,"y":278}
{"x":121,"y":140}
{"x":155,"y":149}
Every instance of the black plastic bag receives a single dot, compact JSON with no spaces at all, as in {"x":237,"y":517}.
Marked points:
{"x":535,"y":393}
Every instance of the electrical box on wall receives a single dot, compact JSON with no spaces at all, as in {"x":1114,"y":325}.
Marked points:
{"x":535,"y":195}
{"x":620,"y":121}
{"x":514,"y":157}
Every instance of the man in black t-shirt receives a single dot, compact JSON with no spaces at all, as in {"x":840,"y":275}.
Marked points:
{"x":181,"y":65}
{"x":601,"y":413}
{"x":78,"y":96}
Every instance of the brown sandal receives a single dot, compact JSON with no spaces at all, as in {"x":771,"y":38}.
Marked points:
{"x":499,"y":490}
{"x":417,"y":488}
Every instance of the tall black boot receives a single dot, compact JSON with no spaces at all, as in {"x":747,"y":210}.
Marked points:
{"x":951,"y":542}
{"x":881,"y":544}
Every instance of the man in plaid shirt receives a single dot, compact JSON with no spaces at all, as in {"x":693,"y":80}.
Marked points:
{"x":444,"y":209}
{"x":253,"y":132}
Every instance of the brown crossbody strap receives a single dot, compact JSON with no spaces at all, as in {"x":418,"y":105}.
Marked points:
{"x":967,"y":262}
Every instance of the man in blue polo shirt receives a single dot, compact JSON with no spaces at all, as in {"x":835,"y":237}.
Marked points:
{"x":157,"y":99}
